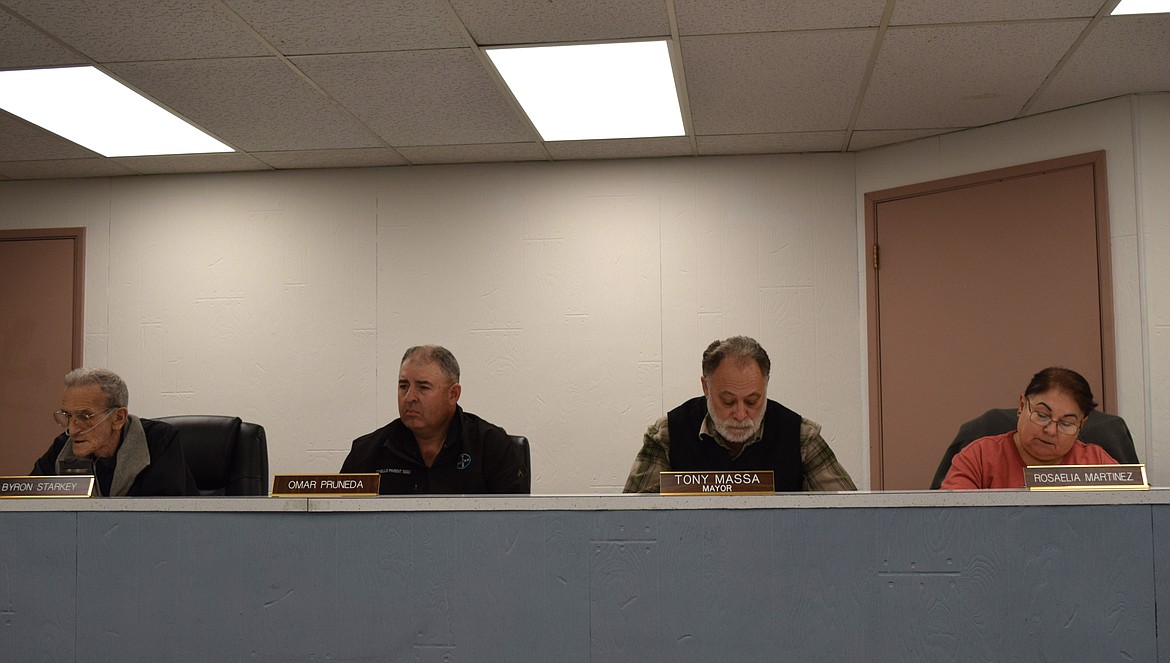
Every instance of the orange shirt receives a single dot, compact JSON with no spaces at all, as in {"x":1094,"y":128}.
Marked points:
{"x":995,"y":462}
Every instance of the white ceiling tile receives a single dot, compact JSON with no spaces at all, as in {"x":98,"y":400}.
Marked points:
{"x":62,"y":168}
{"x":620,"y":149}
{"x":301,"y":27}
{"x":255,"y":104}
{"x":703,"y":17}
{"x":815,"y":141}
{"x":536,"y":21}
{"x":356,"y":158}
{"x":954,"y":76}
{"x":420,"y":97}
{"x":396,"y":82}
{"x":430,"y":154}
{"x":775,"y":83}
{"x":22,"y":46}
{"x":192,"y":163}
{"x":864,"y":140}
{"x":917,"y":12}
{"x":122,"y":30}
{"x":21,"y":141}
{"x":1100,"y":70}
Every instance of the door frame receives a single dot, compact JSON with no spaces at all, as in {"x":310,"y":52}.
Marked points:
{"x":78,"y":237}
{"x":1096,"y":160}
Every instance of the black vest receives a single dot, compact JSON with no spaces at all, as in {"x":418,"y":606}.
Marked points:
{"x":779,"y":450}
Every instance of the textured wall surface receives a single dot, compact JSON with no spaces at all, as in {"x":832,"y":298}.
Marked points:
{"x":1011,"y":583}
{"x":577,"y":296}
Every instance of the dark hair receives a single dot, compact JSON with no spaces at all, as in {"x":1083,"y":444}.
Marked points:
{"x":437,"y":354}
{"x":1066,"y":380}
{"x":736,"y":347}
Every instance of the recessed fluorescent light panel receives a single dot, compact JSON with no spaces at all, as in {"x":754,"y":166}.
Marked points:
{"x":594,"y":91}
{"x":1141,"y":7}
{"x":88,"y":107}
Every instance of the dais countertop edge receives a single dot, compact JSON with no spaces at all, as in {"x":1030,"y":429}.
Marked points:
{"x":614,"y":502}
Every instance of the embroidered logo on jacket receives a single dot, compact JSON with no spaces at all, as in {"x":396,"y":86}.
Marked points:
{"x":464,"y":461}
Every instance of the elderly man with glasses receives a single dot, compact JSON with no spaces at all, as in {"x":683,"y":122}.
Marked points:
{"x":130,"y":456}
{"x":1050,"y":414}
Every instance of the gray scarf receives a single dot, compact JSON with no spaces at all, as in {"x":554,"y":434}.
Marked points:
{"x":132,"y":457}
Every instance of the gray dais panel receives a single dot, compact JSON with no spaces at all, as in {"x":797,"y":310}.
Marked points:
{"x":814,"y":141}
{"x":254,"y":104}
{"x":300,"y":27}
{"x":670,"y":146}
{"x":22,"y":46}
{"x":775,"y":83}
{"x":1093,"y":71}
{"x":916,"y":12}
{"x":38,"y":620}
{"x":702,"y":17}
{"x":121,"y":30}
{"x":332,"y":158}
{"x":535,"y":21}
{"x":420,"y":97}
{"x":22,"y":141}
{"x":1025,"y":583}
{"x":474,"y":153}
{"x":950,"y":75}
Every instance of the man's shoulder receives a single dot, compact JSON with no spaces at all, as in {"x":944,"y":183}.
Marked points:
{"x":155,"y":427}
{"x":377,"y":438}
{"x":159,"y":434}
{"x":475,"y":427}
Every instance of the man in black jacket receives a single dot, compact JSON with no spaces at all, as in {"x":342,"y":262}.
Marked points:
{"x":130,"y":457}
{"x":434,"y":446}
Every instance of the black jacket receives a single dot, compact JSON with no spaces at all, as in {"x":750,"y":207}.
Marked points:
{"x":477,"y":458}
{"x":167,"y":474}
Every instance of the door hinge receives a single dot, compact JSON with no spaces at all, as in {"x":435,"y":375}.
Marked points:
{"x":875,"y":256}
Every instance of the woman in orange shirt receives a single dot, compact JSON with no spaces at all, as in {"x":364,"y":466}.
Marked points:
{"x":1051,"y":412}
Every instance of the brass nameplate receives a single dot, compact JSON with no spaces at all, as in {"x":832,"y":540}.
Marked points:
{"x":754,"y":482}
{"x":54,"y":486}
{"x":1086,"y":477}
{"x":332,"y":485}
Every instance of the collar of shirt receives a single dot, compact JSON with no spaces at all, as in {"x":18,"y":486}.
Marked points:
{"x":708,"y":429}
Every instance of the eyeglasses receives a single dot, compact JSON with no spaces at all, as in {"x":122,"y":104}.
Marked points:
{"x":64,"y":418}
{"x":1042,"y":419}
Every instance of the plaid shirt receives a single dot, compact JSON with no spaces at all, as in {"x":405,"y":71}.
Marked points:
{"x":821,"y":469}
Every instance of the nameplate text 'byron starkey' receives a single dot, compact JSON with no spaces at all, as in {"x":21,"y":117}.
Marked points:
{"x":1086,"y":477}
{"x":753,"y":482}
{"x":335,"y":485}
{"x":58,"y":486}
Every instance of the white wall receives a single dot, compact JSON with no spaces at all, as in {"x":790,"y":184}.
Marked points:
{"x":578,"y":297}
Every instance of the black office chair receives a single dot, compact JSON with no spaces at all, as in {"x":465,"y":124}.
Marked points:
{"x":522,"y":442}
{"x":1105,"y":430}
{"x":227,"y":456}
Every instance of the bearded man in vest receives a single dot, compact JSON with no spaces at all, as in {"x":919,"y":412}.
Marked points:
{"x":734,"y":427}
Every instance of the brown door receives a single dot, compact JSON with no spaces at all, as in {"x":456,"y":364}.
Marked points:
{"x":980,"y":282}
{"x":40,"y":336}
